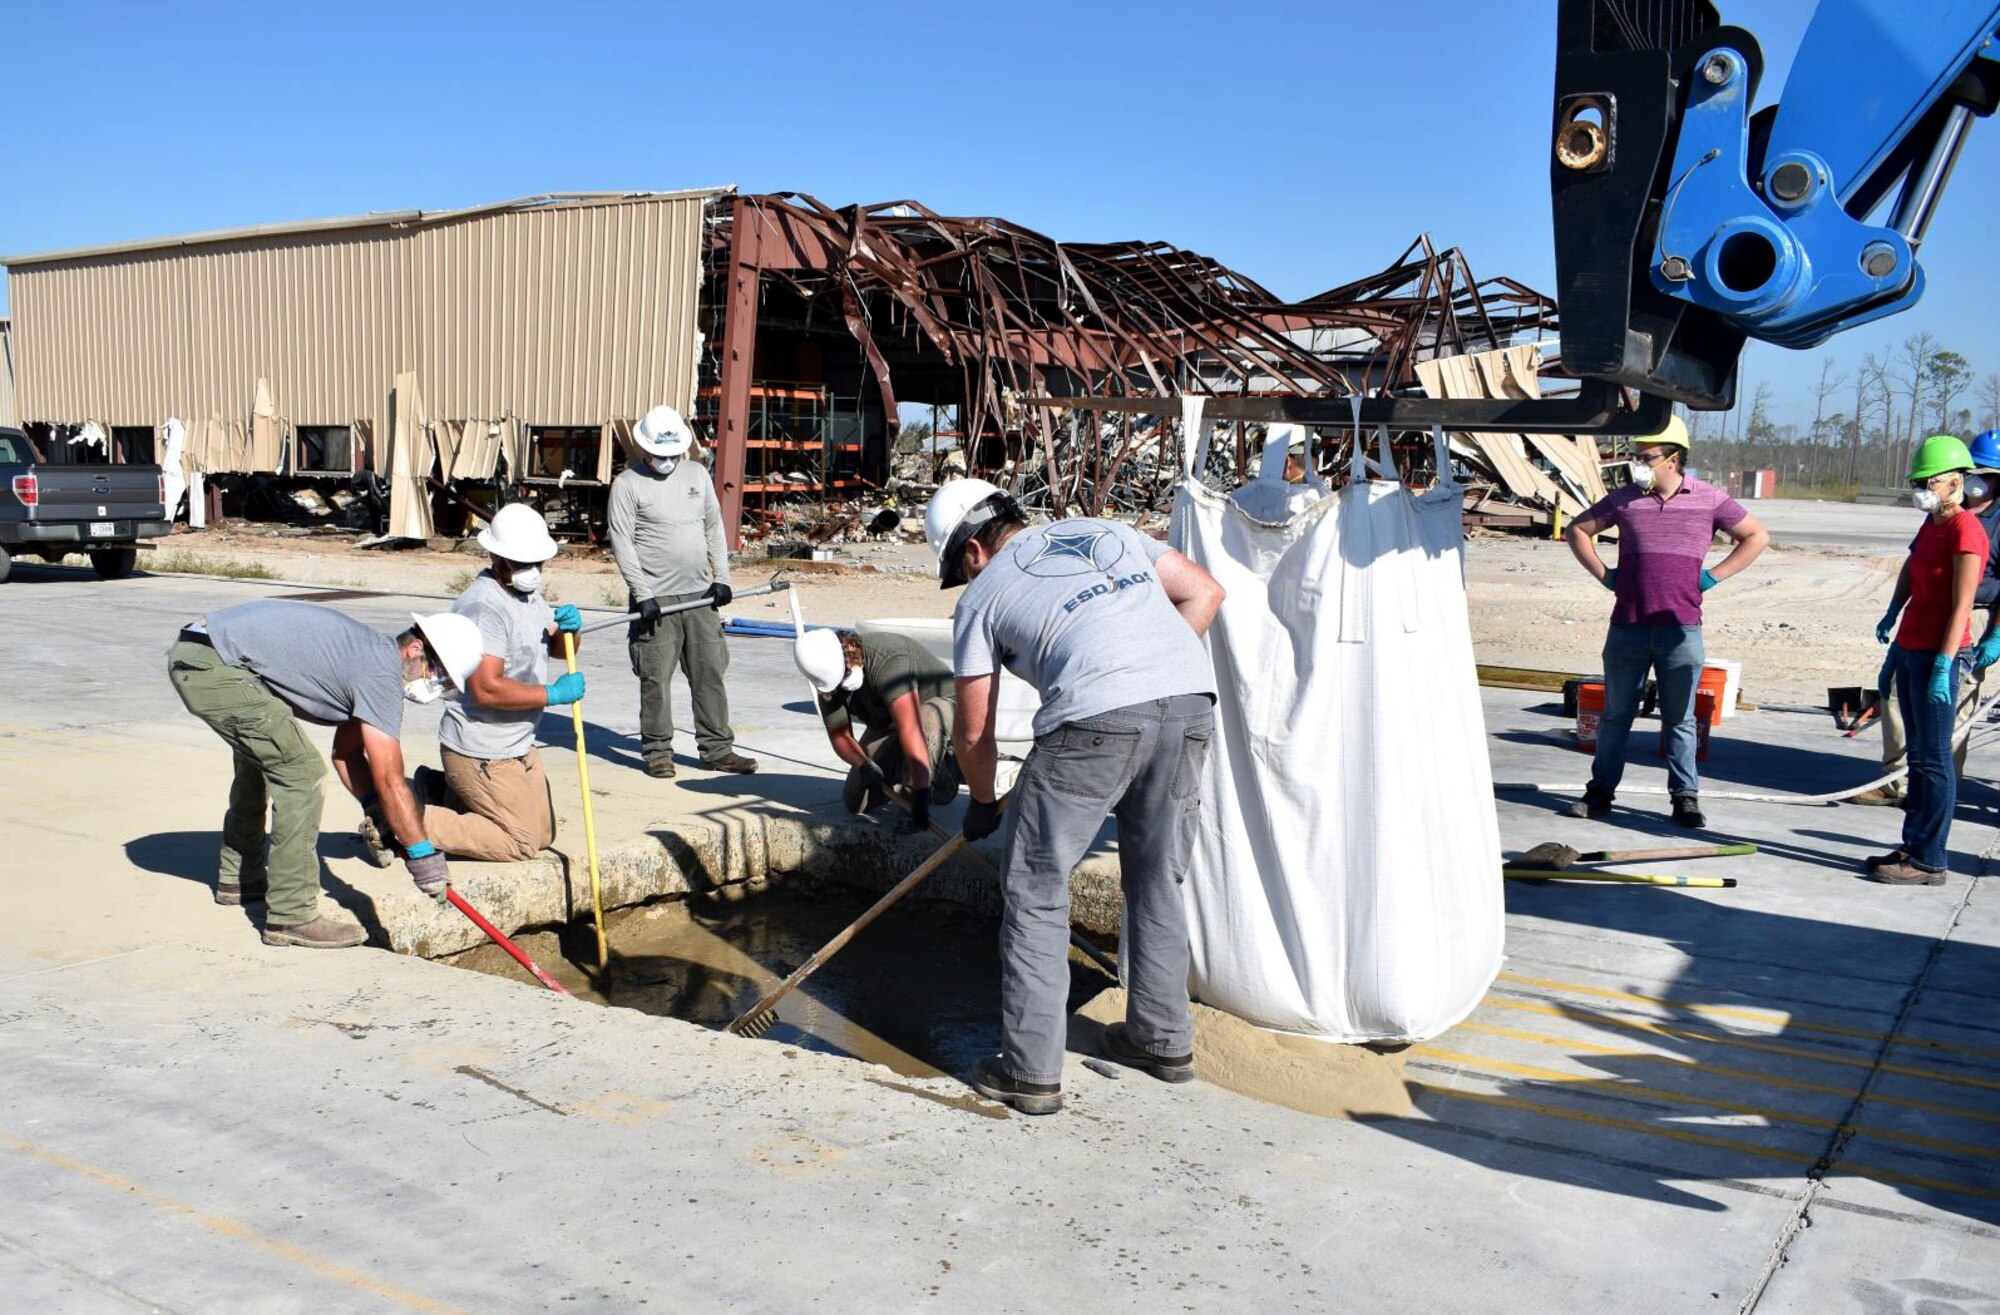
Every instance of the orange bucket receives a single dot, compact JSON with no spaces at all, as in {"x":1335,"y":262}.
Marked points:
{"x":1715,"y":685}
{"x":1707,"y":711}
{"x":1589,"y":709}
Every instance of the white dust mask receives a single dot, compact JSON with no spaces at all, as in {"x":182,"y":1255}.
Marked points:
{"x":1927,"y":501}
{"x":424,"y":689}
{"x":665,"y":465}
{"x":1642,"y":475}
{"x":852,"y":680}
{"x":525,"y":580}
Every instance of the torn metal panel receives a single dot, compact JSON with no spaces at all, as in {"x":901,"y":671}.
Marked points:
{"x":412,"y":458}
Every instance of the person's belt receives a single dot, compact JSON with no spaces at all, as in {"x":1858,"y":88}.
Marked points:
{"x":196,"y":637}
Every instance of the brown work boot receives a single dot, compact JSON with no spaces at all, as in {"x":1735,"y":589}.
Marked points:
{"x":322,"y":933}
{"x":1880,"y":797}
{"x":731,"y":762}
{"x":1906,"y":874}
{"x":1889,"y":859}
{"x":233,"y":893}
{"x":661,"y":767}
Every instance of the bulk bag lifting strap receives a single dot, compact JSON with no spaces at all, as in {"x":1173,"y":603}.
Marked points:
{"x":1344,"y":883}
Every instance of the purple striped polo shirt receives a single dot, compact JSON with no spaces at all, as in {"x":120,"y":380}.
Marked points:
{"x":1662,"y":543}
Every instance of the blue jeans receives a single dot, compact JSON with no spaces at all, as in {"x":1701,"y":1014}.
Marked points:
{"x":1933,"y":788}
{"x":1673,"y":654}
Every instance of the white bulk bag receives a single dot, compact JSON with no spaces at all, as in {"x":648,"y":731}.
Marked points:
{"x":1346,"y":880}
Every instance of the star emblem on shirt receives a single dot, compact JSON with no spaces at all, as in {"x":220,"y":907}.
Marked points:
{"x":1079,"y":544}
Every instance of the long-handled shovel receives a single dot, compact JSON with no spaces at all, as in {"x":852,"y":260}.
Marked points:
{"x":757,"y":1020}
{"x":1628,"y":878}
{"x":520,"y":956}
{"x":589,"y":816}
{"x":1549,"y":854}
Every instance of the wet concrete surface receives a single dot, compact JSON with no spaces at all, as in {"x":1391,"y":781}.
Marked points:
{"x":916,"y":992}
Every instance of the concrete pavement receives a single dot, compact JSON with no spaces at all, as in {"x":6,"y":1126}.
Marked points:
{"x":1775,"y":1097}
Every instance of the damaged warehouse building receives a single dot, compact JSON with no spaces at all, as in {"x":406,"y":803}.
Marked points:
{"x":405,"y":372}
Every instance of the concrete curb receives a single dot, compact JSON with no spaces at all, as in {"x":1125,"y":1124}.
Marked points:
{"x":729,"y":855}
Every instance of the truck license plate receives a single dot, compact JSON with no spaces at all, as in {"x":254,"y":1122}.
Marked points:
{"x":103,"y":530}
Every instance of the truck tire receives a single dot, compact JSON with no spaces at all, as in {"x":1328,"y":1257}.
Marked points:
{"x":114,"y":563}
{"x":6,"y":565}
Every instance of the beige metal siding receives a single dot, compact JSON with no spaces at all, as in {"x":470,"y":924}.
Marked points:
{"x":6,"y":374}
{"x":570,"y":313}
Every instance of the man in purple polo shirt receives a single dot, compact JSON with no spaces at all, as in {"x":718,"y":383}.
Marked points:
{"x":1666,"y":521}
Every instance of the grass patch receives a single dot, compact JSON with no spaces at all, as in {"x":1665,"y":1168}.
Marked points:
{"x":616,"y":596}
{"x":461,"y":582}
{"x":194,"y":563}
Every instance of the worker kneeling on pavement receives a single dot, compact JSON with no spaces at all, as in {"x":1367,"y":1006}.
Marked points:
{"x":1106,"y":624}
{"x":251,"y":672}
{"x":1666,"y":520}
{"x":666,"y":536}
{"x":906,"y":704}
{"x":492,"y":802}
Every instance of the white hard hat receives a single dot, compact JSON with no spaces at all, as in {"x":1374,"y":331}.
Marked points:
{"x":518,"y":533}
{"x":820,"y":659}
{"x":455,"y":640}
{"x":955,"y":512}
{"x":663,"y":433}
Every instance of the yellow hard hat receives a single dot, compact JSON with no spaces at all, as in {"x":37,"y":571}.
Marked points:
{"x":1674,"y":435}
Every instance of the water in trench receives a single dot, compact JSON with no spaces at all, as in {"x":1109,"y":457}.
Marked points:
{"x":918,"y":991}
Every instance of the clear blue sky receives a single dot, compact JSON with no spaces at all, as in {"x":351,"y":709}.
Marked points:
{"x":1304,"y":144}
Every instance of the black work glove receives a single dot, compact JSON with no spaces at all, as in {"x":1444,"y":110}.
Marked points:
{"x":874,"y":785}
{"x":649,"y":613}
{"x":721,"y":593}
{"x":919,"y":816}
{"x":982,"y":819}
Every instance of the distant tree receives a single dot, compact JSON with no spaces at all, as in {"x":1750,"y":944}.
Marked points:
{"x":1989,"y":402}
{"x":1761,"y":428}
{"x":914,"y":436}
{"x":1830,"y":381}
{"x":1946,"y":375}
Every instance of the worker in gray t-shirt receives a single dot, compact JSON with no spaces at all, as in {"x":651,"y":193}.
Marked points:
{"x":492,"y":801}
{"x":1106,"y":624}
{"x":666,"y":536}
{"x":251,"y":672}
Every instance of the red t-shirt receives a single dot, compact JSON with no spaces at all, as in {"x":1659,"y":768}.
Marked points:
{"x":1933,"y":558}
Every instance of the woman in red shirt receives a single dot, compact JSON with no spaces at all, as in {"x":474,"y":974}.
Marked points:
{"x":1931,"y":655}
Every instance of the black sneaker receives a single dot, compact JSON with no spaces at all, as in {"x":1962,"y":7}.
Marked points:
{"x":995,"y":1083}
{"x":1592,"y":804}
{"x":1687,"y":812}
{"x":1167,"y":1068}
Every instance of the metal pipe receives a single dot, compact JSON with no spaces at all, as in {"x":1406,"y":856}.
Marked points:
{"x":1918,"y":203}
{"x":692,"y":605}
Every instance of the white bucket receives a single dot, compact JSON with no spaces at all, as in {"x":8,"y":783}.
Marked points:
{"x":1732,"y":671}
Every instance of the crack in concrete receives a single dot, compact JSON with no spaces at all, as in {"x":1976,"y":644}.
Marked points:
{"x":95,"y":1282}
{"x":1845,"y":1134}
{"x":482,"y":1075}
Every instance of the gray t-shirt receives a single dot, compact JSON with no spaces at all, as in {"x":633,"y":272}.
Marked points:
{"x":1077,"y":611}
{"x":514,"y":628}
{"x":324,"y":664}
{"x":666,"y":530}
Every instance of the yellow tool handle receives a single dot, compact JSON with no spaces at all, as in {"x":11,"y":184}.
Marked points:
{"x":589,"y":817}
{"x":1629,"y":878}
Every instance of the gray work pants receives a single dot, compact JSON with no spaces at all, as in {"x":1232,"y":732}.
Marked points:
{"x":692,"y":640}
{"x":1142,"y":764}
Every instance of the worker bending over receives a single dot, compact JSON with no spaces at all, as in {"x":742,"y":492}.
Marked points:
{"x":1666,"y":521}
{"x":1106,"y":624}
{"x":905,"y":701}
{"x":251,"y":672}
{"x":666,"y":536}
{"x":492,"y":802}
{"x":1982,"y":499}
{"x":1932,"y":656}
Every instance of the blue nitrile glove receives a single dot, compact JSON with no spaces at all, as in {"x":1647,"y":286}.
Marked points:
{"x":427,"y":868}
{"x":1886,"y":627}
{"x":1987,"y":653}
{"x":1708,"y":580}
{"x":566,"y":688}
{"x":1611,"y":578}
{"x":568,"y":618}
{"x":1940,"y":690}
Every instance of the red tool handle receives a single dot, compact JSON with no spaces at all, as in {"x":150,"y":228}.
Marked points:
{"x":520,"y":957}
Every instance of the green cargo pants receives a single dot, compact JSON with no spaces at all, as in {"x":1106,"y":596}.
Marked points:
{"x":692,"y":641}
{"x":277,"y":771}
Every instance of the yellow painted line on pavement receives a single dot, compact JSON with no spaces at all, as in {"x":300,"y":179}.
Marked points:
{"x":1777,"y":1016}
{"x":1720,"y":1071}
{"x":1559,"y":1077}
{"x":229,"y":1228}
{"x":1702,"y":1139}
{"x":1651,"y":1028}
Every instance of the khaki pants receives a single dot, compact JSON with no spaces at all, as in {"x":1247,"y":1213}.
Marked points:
{"x":278,"y":773}
{"x":1894,"y":744}
{"x":499,"y":812}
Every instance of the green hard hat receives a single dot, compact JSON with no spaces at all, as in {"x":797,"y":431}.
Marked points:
{"x":1937,"y":454}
